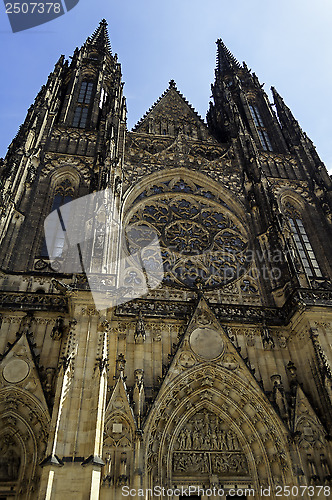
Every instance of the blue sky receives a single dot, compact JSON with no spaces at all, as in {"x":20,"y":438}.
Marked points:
{"x":286,"y":42}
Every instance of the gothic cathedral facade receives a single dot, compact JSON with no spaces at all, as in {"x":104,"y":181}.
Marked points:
{"x":220,"y":374}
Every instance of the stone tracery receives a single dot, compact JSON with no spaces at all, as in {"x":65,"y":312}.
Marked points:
{"x":199,"y":236}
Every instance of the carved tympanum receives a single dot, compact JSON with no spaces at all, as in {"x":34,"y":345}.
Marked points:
{"x":205,"y":446}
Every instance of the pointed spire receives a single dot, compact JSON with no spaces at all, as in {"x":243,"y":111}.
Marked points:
{"x":289,"y":125}
{"x":225,"y":59}
{"x":281,"y":106}
{"x":100,"y":38}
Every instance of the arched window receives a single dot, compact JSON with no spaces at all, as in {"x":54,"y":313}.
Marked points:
{"x":63,"y":194}
{"x":261,"y":130}
{"x":302,"y":244}
{"x":83,"y":105}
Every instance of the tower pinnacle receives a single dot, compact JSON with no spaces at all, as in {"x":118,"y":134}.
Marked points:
{"x":100,"y":38}
{"x":225,"y":59}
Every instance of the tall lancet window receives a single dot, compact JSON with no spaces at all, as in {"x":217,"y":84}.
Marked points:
{"x":83,"y":103}
{"x":303,"y":245}
{"x":261,"y":130}
{"x":63,"y":194}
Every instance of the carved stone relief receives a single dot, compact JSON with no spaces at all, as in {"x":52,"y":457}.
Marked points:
{"x":117,"y":433}
{"x":205,"y":446}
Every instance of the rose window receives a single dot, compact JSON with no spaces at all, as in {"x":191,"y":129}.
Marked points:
{"x":201,"y":241}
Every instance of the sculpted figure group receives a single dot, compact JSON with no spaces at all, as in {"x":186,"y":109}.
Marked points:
{"x":203,"y":446}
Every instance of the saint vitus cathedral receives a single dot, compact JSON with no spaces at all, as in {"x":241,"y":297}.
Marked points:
{"x":217,"y":376}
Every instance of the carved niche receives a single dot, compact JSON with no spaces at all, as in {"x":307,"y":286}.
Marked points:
{"x":205,"y":446}
{"x":117,"y":451}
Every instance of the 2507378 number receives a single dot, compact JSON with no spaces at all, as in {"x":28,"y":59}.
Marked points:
{"x":33,"y":8}
{"x":300,"y":491}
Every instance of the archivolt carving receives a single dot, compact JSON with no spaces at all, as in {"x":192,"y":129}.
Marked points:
{"x":23,"y":438}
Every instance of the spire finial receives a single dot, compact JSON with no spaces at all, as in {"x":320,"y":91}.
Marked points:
{"x":172,"y":84}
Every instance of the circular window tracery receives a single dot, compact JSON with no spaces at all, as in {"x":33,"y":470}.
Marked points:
{"x":200,"y":240}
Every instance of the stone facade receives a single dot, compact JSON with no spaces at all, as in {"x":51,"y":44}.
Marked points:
{"x":221,"y":375}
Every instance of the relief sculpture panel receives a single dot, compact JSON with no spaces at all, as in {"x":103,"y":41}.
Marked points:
{"x":205,"y":445}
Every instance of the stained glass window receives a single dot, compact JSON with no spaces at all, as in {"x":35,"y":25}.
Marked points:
{"x":83,"y":103}
{"x":304,"y":248}
{"x":63,"y":195}
{"x":200,"y":239}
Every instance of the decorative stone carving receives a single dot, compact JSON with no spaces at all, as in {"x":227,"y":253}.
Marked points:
{"x":201,"y":241}
{"x":268,"y":342}
{"x":58,"y":329}
{"x":140,"y":330}
{"x":205,"y":446}
{"x":120,"y":365}
{"x":187,"y":359}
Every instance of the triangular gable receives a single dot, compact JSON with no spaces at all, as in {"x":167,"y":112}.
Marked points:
{"x":171,"y":115}
{"x":18,"y":369}
{"x":119,"y":401}
{"x":204,"y":341}
{"x":306,"y":423}
{"x":120,"y":422}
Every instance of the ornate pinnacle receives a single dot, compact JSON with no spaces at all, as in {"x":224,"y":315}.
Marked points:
{"x":225,"y":59}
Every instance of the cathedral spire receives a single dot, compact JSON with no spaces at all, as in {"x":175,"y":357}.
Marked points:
{"x":100,"y":38}
{"x":225,"y":59}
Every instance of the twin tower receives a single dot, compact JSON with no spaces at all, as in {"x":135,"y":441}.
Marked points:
{"x":186,"y":341}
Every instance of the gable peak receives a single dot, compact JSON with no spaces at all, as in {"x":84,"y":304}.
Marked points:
{"x":171,"y":90}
